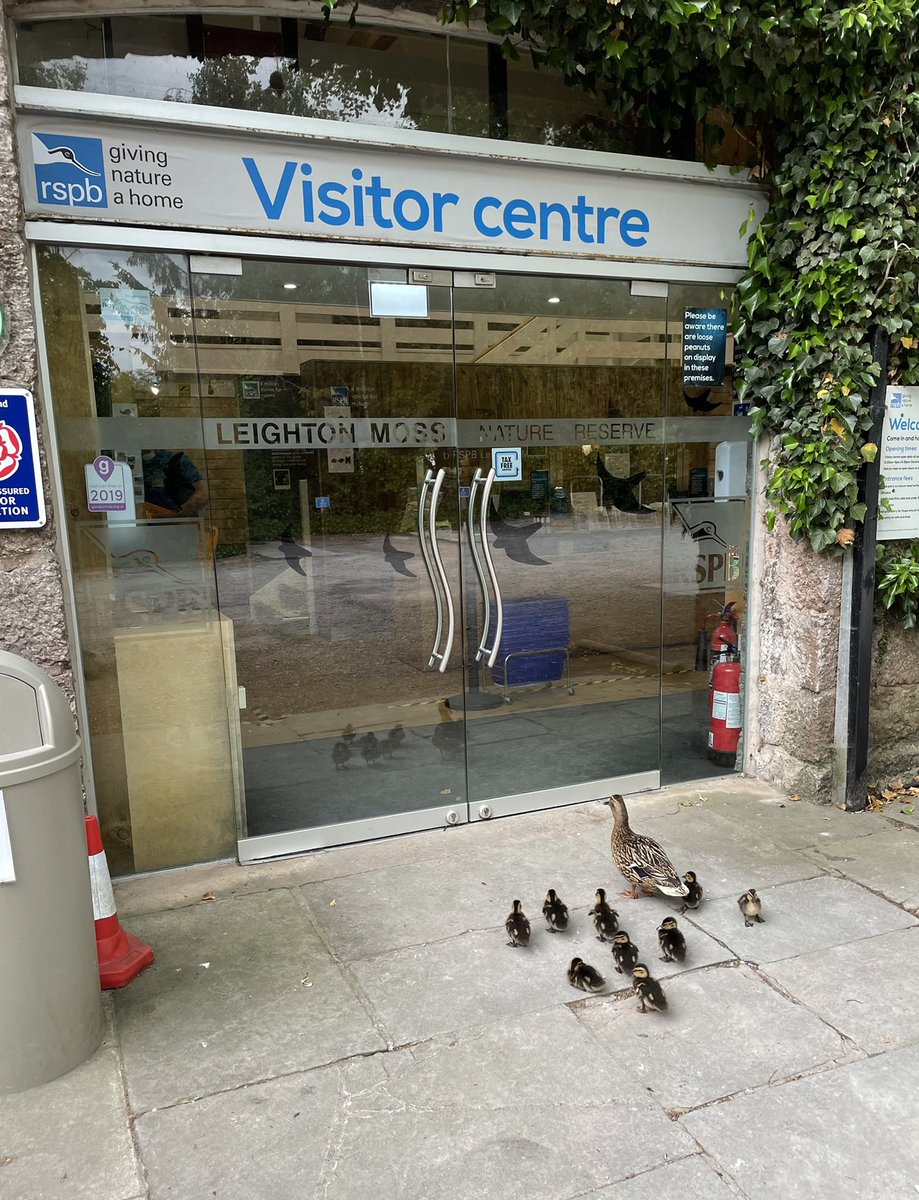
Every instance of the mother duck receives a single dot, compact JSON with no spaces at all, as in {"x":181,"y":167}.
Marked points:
{"x":640,"y":859}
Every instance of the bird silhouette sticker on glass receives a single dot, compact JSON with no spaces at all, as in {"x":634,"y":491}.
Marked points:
{"x":293,"y":552}
{"x":512,"y":539}
{"x":616,"y":492}
{"x":700,"y":403}
{"x":397,"y":558}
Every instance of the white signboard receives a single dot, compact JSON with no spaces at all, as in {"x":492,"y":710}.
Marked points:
{"x":900,"y":464}
{"x":307,"y":185}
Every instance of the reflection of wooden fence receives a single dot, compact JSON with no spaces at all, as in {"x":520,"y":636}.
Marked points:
{"x":261,"y":338}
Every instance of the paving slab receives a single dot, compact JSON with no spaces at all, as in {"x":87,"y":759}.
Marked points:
{"x":175,"y":889}
{"x":689,"y":1179}
{"x":224,"y":1003}
{"x":848,"y":1132}
{"x":724,"y":854}
{"x":887,"y":862}
{"x":868,"y":989}
{"x":784,"y":822}
{"x":69,"y":1139}
{"x":468,"y":980}
{"x":379,"y":911}
{"x":799,"y":918}
{"x":501,"y":1112}
{"x":725,"y":1030}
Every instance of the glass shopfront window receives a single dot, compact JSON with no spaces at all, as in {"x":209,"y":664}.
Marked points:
{"x":289,"y":618}
{"x":368,"y":75}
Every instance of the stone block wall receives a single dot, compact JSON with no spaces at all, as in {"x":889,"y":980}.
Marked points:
{"x":31,"y":589}
{"x":792,"y":695}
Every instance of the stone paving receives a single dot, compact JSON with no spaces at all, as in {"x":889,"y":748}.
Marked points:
{"x":351,"y":1024}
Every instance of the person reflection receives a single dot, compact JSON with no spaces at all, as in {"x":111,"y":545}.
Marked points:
{"x":173,"y":485}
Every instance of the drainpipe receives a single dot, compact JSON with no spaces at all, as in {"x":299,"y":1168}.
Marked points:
{"x":853,"y":685}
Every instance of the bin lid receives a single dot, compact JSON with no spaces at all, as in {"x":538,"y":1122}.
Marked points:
{"x":37,"y":734}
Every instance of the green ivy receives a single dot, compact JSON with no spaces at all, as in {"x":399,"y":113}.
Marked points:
{"x":826,"y":95}
{"x":898,"y":582}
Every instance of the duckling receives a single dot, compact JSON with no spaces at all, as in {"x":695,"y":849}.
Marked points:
{"x":341,"y":752}
{"x":349,"y":733}
{"x":751,"y":906}
{"x":648,"y":990}
{"x":555,"y":912}
{"x":673,"y":944}
{"x":625,"y":954}
{"x":370,"y":748}
{"x":640,"y":859}
{"x":693,"y":896}
{"x":582,"y":975}
{"x":517,"y":926}
{"x":605,"y":918}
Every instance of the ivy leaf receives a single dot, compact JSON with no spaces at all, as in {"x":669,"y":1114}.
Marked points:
{"x":869,"y":452}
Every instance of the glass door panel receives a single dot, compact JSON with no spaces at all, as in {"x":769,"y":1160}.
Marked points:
{"x":706,"y":539}
{"x":567,"y":376}
{"x":328,"y":425}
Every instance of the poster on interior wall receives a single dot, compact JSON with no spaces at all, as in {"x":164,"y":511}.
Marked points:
{"x":22,"y":501}
{"x":705,"y":339}
{"x":900,"y":465}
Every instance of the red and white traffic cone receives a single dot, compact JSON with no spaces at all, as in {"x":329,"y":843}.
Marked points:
{"x":121,"y":954}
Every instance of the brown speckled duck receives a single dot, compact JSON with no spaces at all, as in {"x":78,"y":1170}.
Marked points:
{"x":640,"y":859}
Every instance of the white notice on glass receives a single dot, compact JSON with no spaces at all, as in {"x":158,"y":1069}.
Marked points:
{"x":900,"y":464}
{"x":7,"y":870}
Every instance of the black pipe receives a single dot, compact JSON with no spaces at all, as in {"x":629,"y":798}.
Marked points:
{"x":864,"y":563}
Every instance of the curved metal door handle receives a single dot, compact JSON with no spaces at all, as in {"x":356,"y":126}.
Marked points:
{"x":499,"y":606}
{"x":477,"y":560}
{"x":428,"y":562}
{"x":444,"y":655}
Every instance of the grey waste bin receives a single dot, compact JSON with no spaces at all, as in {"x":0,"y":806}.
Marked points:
{"x":50,"y":998}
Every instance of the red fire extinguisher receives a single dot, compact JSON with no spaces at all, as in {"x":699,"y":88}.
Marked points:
{"x":724,"y":708}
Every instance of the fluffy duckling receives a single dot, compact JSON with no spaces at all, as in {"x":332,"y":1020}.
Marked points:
{"x":640,"y":859}
{"x":649,"y":992}
{"x":555,"y":912}
{"x":605,"y":918}
{"x":693,"y":897}
{"x":673,"y":944}
{"x":517,"y":926}
{"x":370,"y":748}
{"x":625,"y":954}
{"x":582,"y":975}
{"x":341,"y":752}
{"x":751,"y":906}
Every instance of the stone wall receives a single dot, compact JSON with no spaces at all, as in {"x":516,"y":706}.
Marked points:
{"x":894,"y":704}
{"x":792,"y":678}
{"x":31,"y":590}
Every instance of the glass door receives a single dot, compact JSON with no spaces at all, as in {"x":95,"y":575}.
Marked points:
{"x":561,"y":387}
{"x":327,"y":398}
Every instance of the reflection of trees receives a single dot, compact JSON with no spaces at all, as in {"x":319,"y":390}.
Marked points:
{"x":315,"y":89}
{"x":68,"y":74}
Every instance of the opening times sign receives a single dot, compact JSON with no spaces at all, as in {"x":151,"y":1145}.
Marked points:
{"x":22,"y":502}
{"x":900,"y":465}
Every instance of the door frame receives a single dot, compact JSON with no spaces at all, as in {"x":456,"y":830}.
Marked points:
{"x":219,"y":245}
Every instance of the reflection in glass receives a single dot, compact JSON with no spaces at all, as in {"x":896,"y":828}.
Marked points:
{"x":371,"y":75}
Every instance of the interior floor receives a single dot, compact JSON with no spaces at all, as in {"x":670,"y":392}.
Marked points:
{"x":297,"y":785}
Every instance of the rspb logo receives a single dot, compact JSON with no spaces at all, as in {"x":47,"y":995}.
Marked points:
{"x":69,"y":170}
